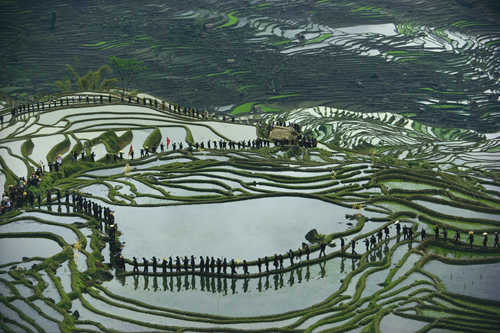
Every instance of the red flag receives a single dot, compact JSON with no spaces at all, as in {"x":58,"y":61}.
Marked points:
{"x":130,"y":151}
{"x":168,"y":142}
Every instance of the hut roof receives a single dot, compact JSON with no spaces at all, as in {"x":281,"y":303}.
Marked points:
{"x":282,"y":133}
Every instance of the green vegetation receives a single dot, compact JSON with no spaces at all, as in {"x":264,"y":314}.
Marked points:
{"x":281,"y":42}
{"x":320,"y":38}
{"x":246,"y":87}
{"x":90,"y":81}
{"x":232,"y":20}
{"x":247,"y":107}
{"x":283,"y":96}
{"x":27,"y":148}
{"x":96,"y":44}
{"x":268,"y":109}
{"x":225,"y":72}
{"x":59,"y":149}
{"x":154,"y":139}
{"x":446,"y":106}
{"x":443,"y":92}
{"x":127,"y":69}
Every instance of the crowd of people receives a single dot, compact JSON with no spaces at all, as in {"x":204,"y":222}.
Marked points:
{"x":19,"y":194}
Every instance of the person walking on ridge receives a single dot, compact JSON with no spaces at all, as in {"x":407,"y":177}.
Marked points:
{"x":496,"y":241}
{"x":471,"y":238}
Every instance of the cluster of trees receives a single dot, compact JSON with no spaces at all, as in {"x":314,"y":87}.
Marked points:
{"x":127,"y":69}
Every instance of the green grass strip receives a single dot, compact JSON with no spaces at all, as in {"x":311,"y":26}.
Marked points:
{"x":444,"y":92}
{"x":268,"y":109}
{"x":243,"y":108}
{"x":240,"y":72}
{"x":282,"y":42}
{"x":320,"y":38}
{"x":225,"y":72}
{"x":232,"y":20}
{"x":116,"y":45}
{"x":492,"y":43}
{"x":448,"y":106}
{"x":24,"y":12}
{"x":96,"y":44}
{"x":283,"y":96}
{"x":154,"y":139}
{"x":359,"y":9}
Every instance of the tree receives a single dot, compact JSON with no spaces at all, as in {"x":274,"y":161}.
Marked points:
{"x":90,"y":81}
{"x":128,"y":69}
{"x":64,"y":86}
{"x":53,"y":20}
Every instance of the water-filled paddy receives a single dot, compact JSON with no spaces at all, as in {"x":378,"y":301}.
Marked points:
{"x":42,"y":146}
{"x":16,"y":164}
{"x":14,"y":249}
{"x":393,"y":323}
{"x":476,"y":281}
{"x":241,"y":229}
{"x":9,"y":130}
{"x":34,"y":226}
{"x":52,"y":217}
{"x":116,"y":324}
{"x":47,"y":325}
{"x":13,"y":315}
{"x":449,"y":210}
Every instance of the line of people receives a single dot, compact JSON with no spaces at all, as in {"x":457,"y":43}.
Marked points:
{"x":470,"y":239}
{"x":457,"y":237}
{"x":220,"y":284}
{"x":224,"y":145}
{"x":216,"y":266}
{"x":221,"y":144}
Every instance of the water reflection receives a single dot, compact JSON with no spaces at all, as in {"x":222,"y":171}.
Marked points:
{"x":218,"y":284}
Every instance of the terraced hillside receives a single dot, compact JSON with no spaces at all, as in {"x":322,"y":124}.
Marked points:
{"x":59,"y":271}
{"x":424,"y":59}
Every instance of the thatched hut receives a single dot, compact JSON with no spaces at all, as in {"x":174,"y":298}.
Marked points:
{"x":283,"y":133}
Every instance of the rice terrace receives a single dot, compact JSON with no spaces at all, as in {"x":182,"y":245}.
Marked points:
{"x":255,"y":166}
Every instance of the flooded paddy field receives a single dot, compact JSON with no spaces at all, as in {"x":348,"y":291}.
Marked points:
{"x":402,"y":98}
{"x":245,"y":204}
